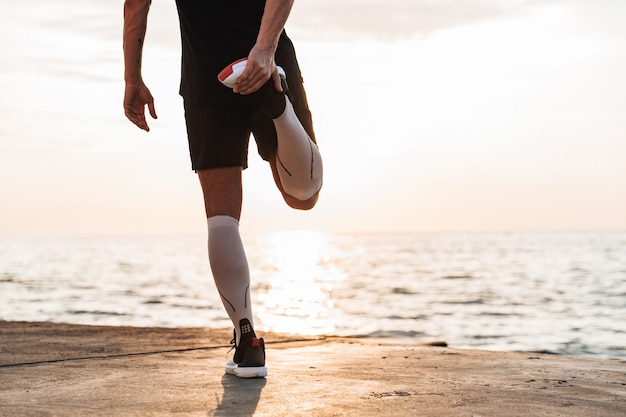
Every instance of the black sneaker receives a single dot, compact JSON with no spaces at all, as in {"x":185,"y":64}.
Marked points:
{"x":249,"y":358}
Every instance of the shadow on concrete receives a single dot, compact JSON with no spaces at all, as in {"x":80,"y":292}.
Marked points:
{"x":240,"y":397}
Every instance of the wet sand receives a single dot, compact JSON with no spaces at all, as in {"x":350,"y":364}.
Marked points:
{"x":51,"y":369}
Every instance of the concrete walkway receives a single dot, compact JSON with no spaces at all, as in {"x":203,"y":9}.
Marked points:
{"x":65,"y":370}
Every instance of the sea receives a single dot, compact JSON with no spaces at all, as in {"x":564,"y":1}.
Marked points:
{"x":561,"y":293}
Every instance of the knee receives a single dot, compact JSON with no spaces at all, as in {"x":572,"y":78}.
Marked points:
{"x":303,"y":194}
{"x":298,"y":204}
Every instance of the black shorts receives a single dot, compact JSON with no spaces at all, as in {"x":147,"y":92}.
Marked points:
{"x":219,"y":134}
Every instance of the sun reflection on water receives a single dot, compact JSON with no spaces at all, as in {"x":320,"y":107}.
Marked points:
{"x":296,"y":297}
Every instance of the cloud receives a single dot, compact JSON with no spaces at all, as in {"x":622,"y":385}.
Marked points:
{"x":396,"y":19}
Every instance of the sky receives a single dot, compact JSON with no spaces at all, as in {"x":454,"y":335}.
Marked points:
{"x":432,"y":116}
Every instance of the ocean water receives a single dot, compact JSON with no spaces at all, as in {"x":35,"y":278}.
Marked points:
{"x":561,"y":292}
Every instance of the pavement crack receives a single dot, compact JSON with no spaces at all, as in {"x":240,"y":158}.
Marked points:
{"x":131,"y":354}
{"x":112,"y":356}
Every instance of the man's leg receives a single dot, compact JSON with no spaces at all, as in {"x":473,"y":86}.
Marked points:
{"x":222,"y":198}
{"x":292,"y":201}
{"x":298,"y":162}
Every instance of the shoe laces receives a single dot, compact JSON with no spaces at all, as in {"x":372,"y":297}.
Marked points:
{"x":233,"y":342}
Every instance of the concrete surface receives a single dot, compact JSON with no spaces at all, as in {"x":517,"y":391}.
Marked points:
{"x":66,"y":370}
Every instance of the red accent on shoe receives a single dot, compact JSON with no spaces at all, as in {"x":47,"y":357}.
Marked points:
{"x":256,"y":343}
{"x":228,"y":70}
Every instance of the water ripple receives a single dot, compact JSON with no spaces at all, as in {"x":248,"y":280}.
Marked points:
{"x":562,"y":292}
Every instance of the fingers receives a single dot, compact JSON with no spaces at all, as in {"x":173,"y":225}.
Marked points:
{"x":138,"y":118}
{"x":249,"y":85}
{"x":152,"y":110}
{"x":252,"y":78}
{"x":135,"y":113}
{"x":136,"y":97}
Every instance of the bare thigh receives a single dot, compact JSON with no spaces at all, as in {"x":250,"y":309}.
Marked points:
{"x":222,"y":191}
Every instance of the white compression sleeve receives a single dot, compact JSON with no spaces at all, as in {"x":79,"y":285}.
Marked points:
{"x":298,"y":158}
{"x":230,"y":268}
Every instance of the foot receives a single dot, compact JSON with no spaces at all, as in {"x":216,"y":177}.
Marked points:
{"x":229,"y":75}
{"x":272,"y":102}
{"x":249,"y":358}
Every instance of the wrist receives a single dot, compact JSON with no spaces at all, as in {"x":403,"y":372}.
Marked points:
{"x":266,"y":47}
{"x":133,"y":79}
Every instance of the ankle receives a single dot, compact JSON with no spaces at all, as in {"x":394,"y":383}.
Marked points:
{"x":245,"y":331}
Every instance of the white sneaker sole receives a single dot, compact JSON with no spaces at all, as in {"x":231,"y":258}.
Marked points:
{"x":229,"y":75}
{"x":245,"y":372}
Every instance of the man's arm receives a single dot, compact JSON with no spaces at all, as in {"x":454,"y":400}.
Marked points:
{"x":261,"y":65}
{"x":136,"y":94}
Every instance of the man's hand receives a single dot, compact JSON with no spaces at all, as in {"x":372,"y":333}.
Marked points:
{"x":259,"y":69}
{"x":136,"y":96}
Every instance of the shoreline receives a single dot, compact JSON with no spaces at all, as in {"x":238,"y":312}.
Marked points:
{"x":71,"y":370}
{"x":227,"y":331}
